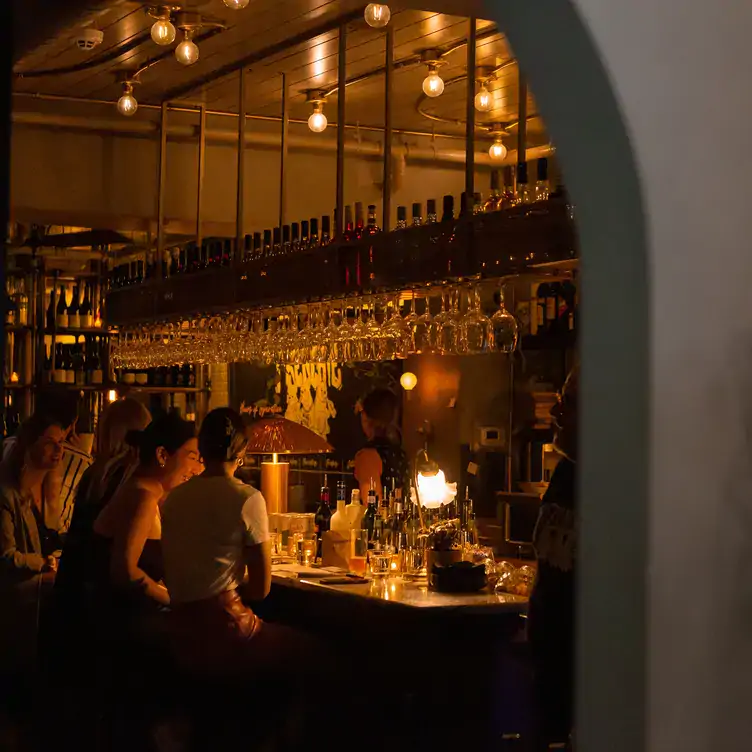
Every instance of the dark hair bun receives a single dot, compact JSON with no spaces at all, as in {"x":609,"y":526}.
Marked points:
{"x":222,"y":437}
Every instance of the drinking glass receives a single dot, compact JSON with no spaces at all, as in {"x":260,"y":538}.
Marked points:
{"x":476,"y":331}
{"x":504,"y":328}
{"x":358,"y":551}
{"x":422,"y":328}
{"x":379,"y":562}
{"x":414,"y":562}
{"x":306,"y":547}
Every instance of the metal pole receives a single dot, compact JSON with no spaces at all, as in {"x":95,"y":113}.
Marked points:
{"x":470,"y":116}
{"x":201,"y":170}
{"x":386,"y":190}
{"x":522,"y":123}
{"x":161,"y":179}
{"x":341,"y":84}
{"x":241,"y":169}
{"x":283,"y":152}
{"x":6,"y":65}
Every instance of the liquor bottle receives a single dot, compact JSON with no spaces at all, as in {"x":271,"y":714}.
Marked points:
{"x":276,"y":242}
{"x":79,"y":370}
{"x":326,"y":230}
{"x":397,"y":522}
{"x":401,"y":218}
{"x":360,"y":225}
{"x":258,"y":248}
{"x":524,"y":195}
{"x":70,"y":364}
{"x":431,"y":216}
{"x":305,"y":239}
{"x":369,"y":516}
{"x":266,"y":248}
{"x":509,"y":195}
{"x":189,"y":375}
{"x":286,"y":242}
{"x":371,"y":228}
{"x":313,"y":241}
{"x":354,"y":510}
{"x":295,"y":237}
{"x":247,"y":247}
{"x":94,"y":366}
{"x":50,"y":316}
{"x":61,"y":312}
{"x":541,"y":185}
{"x":73,"y":319}
{"x":349,"y":231}
{"x":417,"y":214}
{"x":47,"y":365}
{"x":85,"y":312}
{"x":492,"y":202}
{"x":58,"y":375}
{"x":448,"y":209}
{"x":477,"y":203}
{"x":322,"y":518}
{"x":227,"y":251}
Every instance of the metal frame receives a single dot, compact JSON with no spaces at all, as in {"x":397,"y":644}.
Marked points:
{"x":201,"y":171}
{"x":240,"y":198}
{"x":339,"y":211}
{"x":284,"y":151}
{"x":386,"y":189}
{"x":470,"y":116}
{"x":161,"y":181}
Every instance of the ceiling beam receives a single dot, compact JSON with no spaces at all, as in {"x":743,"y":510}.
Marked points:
{"x":262,"y":54}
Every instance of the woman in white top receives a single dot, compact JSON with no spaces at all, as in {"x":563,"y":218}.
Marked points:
{"x":215,"y":541}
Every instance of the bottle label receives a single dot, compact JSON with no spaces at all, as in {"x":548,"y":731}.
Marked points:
{"x":142,"y":378}
{"x":74,"y":321}
{"x":87,"y":321}
{"x":70,"y":377}
{"x":61,"y":320}
{"x":58,"y":377}
{"x":129,"y":378}
{"x":96,"y":376}
{"x":80,"y":378}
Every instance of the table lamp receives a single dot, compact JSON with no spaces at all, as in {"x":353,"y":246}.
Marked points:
{"x":277,"y":436}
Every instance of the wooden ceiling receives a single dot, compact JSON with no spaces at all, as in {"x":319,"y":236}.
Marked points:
{"x":309,"y":65}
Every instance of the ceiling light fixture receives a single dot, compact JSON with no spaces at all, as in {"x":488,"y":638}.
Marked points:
{"x":236,"y":4}
{"x":433,"y":84}
{"x":377,"y":15}
{"x":498,"y":151}
{"x":186,"y":52}
{"x":317,"y":122}
{"x":127,"y":104}
{"x":483,"y":99}
{"x":163,"y":30}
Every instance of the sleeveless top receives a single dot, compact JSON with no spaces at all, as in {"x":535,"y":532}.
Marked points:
{"x":394,"y":464}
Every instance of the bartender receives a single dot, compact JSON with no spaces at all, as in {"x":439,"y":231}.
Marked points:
{"x":382,"y":461}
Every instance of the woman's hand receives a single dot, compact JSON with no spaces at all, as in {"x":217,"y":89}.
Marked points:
{"x":50,"y":564}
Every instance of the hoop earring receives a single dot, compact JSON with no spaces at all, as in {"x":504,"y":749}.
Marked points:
{"x":241,"y":461}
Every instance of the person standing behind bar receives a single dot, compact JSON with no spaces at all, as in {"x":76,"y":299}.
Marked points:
{"x":552,"y":603}
{"x":382,"y":460}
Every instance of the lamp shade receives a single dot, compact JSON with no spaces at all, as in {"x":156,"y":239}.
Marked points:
{"x":281,"y":436}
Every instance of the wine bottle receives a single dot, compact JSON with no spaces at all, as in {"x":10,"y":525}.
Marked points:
{"x":50,"y":316}
{"x":70,"y":365}
{"x":79,"y":371}
{"x":227,"y":254}
{"x":417,"y":214}
{"x":508,"y":195}
{"x":58,"y":374}
{"x":61,"y":312}
{"x":448,"y":209}
{"x":73,"y":319}
{"x":541,"y":185}
{"x":267,"y":247}
{"x":305,"y":239}
{"x":401,"y":218}
{"x":360,"y":224}
{"x":314,"y":239}
{"x":326,"y":230}
{"x":85,"y":313}
{"x":295,"y":237}
{"x":248,"y":247}
{"x":96,"y":374}
{"x":477,"y":203}
{"x":369,"y":516}
{"x":524,"y":195}
{"x":258,"y":248}
{"x":323,"y":516}
{"x":492,"y":202}
{"x":431,"y":215}
{"x":47,"y":365}
{"x":276,"y":242}
{"x":189,"y":375}
{"x":286,"y":242}
{"x":349,"y":231}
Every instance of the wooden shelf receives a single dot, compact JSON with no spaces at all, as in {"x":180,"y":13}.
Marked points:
{"x":101,"y":331}
{"x":16,"y":385}
{"x":17,"y":328}
{"x":82,"y":388}
{"x":160,"y":389}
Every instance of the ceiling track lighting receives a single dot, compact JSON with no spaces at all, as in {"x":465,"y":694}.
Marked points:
{"x":376,"y":15}
{"x":317,"y":122}
{"x":433,"y":83}
{"x":163,"y":31}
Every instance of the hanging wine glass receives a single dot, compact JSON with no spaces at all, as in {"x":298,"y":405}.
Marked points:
{"x":504,"y":328}
{"x":422,"y":329}
{"x":477,"y":329}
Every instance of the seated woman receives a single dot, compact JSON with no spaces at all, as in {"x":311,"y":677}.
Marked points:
{"x":26,"y":545}
{"x":128,"y":531}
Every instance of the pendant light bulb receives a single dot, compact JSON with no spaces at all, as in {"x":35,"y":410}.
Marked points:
{"x":433,"y":84}
{"x":187,"y":51}
{"x":483,"y":100}
{"x":237,"y":4}
{"x":127,"y":104}
{"x":498,"y":151}
{"x":318,"y":122}
{"x":377,"y":15}
{"x":163,"y":32}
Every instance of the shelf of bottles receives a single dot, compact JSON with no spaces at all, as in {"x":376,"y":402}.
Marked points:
{"x":516,"y":226}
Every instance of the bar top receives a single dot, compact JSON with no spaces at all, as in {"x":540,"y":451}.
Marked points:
{"x":397,"y":592}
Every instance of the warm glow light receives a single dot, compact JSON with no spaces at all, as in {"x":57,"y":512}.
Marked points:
{"x":127,"y":104}
{"x":498,"y":151}
{"x":163,"y":32}
{"x":317,"y":122}
{"x":433,"y":84}
{"x":112,"y":395}
{"x":434,"y":491}
{"x":236,"y":4}
{"x":187,"y":51}
{"x":377,"y":15}
{"x":483,"y":100}
{"x":408,"y":380}
{"x":274,"y":458}
{"x":14,"y":378}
